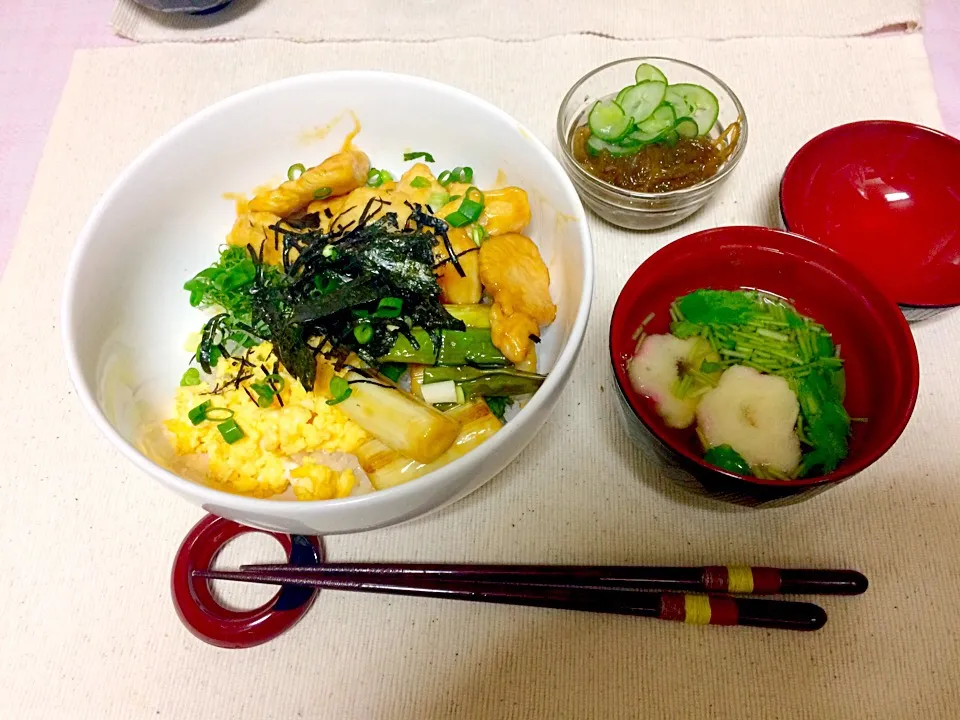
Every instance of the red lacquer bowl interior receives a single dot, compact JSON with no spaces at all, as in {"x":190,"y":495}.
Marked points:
{"x":886,"y":195}
{"x":875,"y":341}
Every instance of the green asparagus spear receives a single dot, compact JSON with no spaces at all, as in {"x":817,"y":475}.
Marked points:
{"x":486,"y":382}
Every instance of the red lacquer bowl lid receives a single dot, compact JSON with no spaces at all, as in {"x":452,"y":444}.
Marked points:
{"x":886,"y":195}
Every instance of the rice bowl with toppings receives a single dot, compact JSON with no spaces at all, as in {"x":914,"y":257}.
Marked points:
{"x":127,"y":315}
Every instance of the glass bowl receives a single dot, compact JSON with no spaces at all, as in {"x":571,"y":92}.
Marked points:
{"x":638,"y":210}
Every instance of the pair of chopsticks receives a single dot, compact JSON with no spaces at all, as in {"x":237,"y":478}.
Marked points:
{"x":666,"y":593}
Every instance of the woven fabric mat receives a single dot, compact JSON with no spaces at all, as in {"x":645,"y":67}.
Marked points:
{"x":310,"y":21}
{"x":87,"y":628}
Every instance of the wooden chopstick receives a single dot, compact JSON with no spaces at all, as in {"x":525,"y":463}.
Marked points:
{"x":741,"y":580}
{"x":683,"y":607}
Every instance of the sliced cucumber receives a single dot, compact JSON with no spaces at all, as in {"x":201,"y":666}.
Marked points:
{"x":687,"y":127}
{"x":646,"y":71}
{"x":595,"y":146}
{"x":642,"y":99}
{"x":645,"y":138}
{"x":704,"y":104}
{"x":620,"y":95}
{"x":675,"y":100}
{"x":608,"y":121}
{"x":671,"y":137}
{"x":663,"y":118}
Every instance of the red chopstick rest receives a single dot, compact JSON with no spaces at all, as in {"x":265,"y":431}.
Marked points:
{"x":217,"y":625}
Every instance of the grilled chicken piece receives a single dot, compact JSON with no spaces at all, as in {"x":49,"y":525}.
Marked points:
{"x":456,"y":290}
{"x":506,"y":210}
{"x":513,"y":272}
{"x":341,"y":173}
{"x":253,"y":229}
{"x":420,"y":194}
{"x":511,"y":333}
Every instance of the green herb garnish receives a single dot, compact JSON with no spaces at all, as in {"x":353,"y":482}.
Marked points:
{"x":498,"y":405}
{"x":767,"y":334}
{"x":726,"y":458}
{"x":190,"y":377}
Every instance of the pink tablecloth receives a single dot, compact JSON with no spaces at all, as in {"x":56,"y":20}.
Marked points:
{"x":38,"y":37}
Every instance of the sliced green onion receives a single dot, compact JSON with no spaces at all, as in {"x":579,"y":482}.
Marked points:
{"x":198,"y":414}
{"x":330,"y":251}
{"x":420,"y":182}
{"x":265,"y":394}
{"x":230,"y":431}
{"x":321,"y":193}
{"x":389,"y":307}
{"x":360,"y":313}
{"x":472,"y":205}
{"x":219,"y":413}
{"x":469,"y":211}
{"x":295,"y":171}
{"x":458,"y":175}
{"x":438,"y":199}
{"x":276,"y":380}
{"x":340,"y":390}
{"x":376,"y":178}
{"x":324,"y":284}
{"x":457,"y":219}
{"x":363,"y":333}
{"x":190,"y":377}
{"x":414,"y":155}
{"x":478,"y":234}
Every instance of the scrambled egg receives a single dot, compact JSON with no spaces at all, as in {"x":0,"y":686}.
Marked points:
{"x":262,"y":463}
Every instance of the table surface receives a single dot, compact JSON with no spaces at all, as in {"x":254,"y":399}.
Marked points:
{"x":37,"y":41}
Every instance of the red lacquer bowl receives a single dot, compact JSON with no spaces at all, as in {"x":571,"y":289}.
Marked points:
{"x":886,"y":195}
{"x":881,"y":358}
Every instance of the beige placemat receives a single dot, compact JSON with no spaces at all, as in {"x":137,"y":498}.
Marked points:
{"x":87,"y":629}
{"x":315,"y":20}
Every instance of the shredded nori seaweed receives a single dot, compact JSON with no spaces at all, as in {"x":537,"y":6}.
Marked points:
{"x":329,"y":284}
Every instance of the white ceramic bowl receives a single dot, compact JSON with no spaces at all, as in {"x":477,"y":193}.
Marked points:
{"x":126,"y":316}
